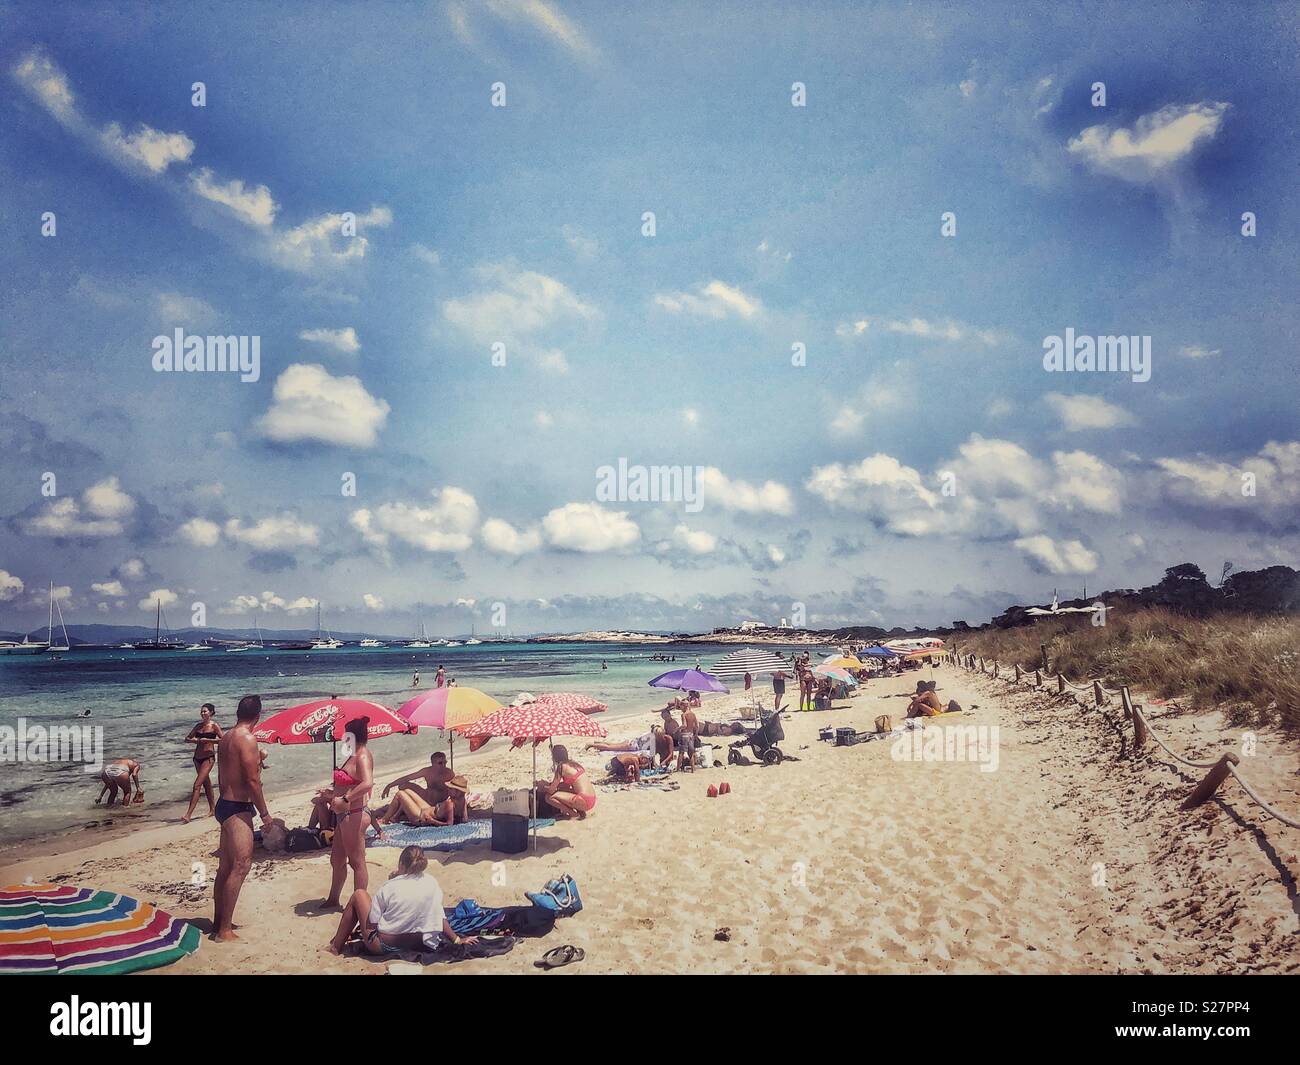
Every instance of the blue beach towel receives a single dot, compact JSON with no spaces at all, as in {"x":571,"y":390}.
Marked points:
{"x":444,"y":837}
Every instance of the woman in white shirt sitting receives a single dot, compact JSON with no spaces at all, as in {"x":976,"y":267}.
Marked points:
{"x":405,"y":914}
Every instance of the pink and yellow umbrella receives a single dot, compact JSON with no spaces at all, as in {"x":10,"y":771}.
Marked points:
{"x":448,"y":708}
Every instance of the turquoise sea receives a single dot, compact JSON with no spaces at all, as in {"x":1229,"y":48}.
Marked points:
{"x":145,"y":704}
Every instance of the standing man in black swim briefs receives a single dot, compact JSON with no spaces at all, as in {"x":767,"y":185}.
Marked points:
{"x":239,"y":782}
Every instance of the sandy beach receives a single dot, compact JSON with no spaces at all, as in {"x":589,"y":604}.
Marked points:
{"x":1067,"y":858}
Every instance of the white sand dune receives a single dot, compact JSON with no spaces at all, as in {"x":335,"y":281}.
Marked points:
{"x":1067,"y":859}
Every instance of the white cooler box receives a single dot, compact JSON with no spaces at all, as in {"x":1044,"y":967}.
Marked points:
{"x":510,"y":811}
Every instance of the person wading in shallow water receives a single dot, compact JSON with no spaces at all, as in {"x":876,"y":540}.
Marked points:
{"x":205,"y":734}
{"x":239,"y":781}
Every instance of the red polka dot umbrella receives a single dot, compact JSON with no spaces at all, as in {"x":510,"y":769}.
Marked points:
{"x":533,"y":721}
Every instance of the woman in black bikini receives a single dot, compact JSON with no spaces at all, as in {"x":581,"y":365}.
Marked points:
{"x":205,"y":735}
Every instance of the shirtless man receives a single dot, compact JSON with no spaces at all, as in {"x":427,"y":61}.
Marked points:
{"x":119,"y":773}
{"x":239,"y":784}
{"x":686,"y":738}
{"x":435,"y":790}
{"x":924,"y":704}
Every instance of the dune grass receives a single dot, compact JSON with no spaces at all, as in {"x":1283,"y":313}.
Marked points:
{"x":1246,"y":665}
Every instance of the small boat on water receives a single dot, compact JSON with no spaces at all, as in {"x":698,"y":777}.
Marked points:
{"x":324,"y":640}
{"x":248,"y":646}
{"x":160,"y":642}
{"x":26,"y":647}
{"x":421,"y":641}
{"x":368,"y":642}
{"x":199,"y":647}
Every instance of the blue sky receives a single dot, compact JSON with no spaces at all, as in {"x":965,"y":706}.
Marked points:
{"x":775,"y":225}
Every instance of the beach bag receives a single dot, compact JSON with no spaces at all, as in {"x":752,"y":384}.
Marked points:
{"x":560,"y":896}
{"x":297,"y":840}
{"x":527,"y":922}
{"x":884,"y":723}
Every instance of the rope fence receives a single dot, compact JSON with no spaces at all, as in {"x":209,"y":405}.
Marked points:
{"x":1218,"y":770}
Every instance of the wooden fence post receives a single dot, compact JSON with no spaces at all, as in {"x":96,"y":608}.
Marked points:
{"x":1126,"y":700}
{"x":1096,"y":691}
{"x":996,"y":669}
{"x":1213,"y":779}
{"x":1060,"y":684}
{"x":1038,"y":679}
{"x":1042,"y":650}
{"x":1017,"y":672}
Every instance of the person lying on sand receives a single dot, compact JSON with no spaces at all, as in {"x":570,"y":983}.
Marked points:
{"x":412,"y":808}
{"x":404,"y":914}
{"x":119,"y":774}
{"x":641,"y":745}
{"x":569,"y":792}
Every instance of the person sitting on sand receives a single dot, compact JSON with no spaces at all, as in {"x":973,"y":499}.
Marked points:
{"x":670,"y":725}
{"x":118,"y":774}
{"x":434,"y":780}
{"x":924,"y":704}
{"x":569,"y":791}
{"x":664,"y":746}
{"x":628,"y":767}
{"x":405,"y":914}
{"x":411,"y":808}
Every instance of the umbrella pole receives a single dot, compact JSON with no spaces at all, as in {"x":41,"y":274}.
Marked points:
{"x":532,"y":792}
{"x":451,"y":742}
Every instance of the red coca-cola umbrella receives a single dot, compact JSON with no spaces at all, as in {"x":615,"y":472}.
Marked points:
{"x":326,"y":721}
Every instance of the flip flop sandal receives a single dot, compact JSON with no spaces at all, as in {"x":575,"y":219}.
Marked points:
{"x":560,"y":956}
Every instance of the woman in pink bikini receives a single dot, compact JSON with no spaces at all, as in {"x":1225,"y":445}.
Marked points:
{"x":353,"y":782}
{"x":569,"y":791}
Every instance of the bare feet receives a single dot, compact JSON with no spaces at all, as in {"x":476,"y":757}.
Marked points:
{"x":224,"y":937}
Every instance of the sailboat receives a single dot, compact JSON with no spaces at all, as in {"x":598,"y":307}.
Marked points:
{"x":421,"y":640}
{"x":324,"y":640}
{"x":49,"y":640}
{"x":472,"y":638}
{"x":159,"y":643}
{"x":248,"y":646}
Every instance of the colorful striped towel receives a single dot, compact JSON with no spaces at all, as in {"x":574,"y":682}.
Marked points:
{"x":444,"y":837}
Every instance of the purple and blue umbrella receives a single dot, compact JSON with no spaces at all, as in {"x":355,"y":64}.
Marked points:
{"x":689,"y":680}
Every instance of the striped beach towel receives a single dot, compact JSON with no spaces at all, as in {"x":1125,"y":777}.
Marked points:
{"x":47,"y":929}
{"x":444,"y":837}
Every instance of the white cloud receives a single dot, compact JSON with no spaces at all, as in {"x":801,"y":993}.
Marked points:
{"x":543,"y":17}
{"x":553,"y":360}
{"x":503,"y":538}
{"x":1086,"y":482}
{"x":589,"y":528}
{"x":373,"y":602}
{"x":713,"y":300}
{"x":446,"y":524}
{"x":694,"y":541}
{"x":147,"y":147}
{"x":1266,"y":484}
{"x":1057,"y":557}
{"x":1082,"y":412}
{"x":1198,"y":351}
{"x":11,"y":587}
{"x":583,"y":246}
{"x":856,"y":328}
{"x":47,"y":83}
{"x":967,"y":88}
{"x":279,"y":533}
{"x":892,"y":495}
{"x":132,"y":569}
{"x":344,"y":340}
{"x":1157,"y":142}
{"x":426,"y":255}
{"x":945,"y":330}
{"x":176,"y":308}
{"x":848,"y":420}
{"x":520,"y":303}
{"x":159,"y":595}
{"x":310,"y":404}
{"x":770,"y":497}
{"x":253,"y":205}
{"x":112,"y":589}
{"x":320,"y":243}
{"x":101,"y":512}
{"x":543,"y":419}
{"x":200,"y":532}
